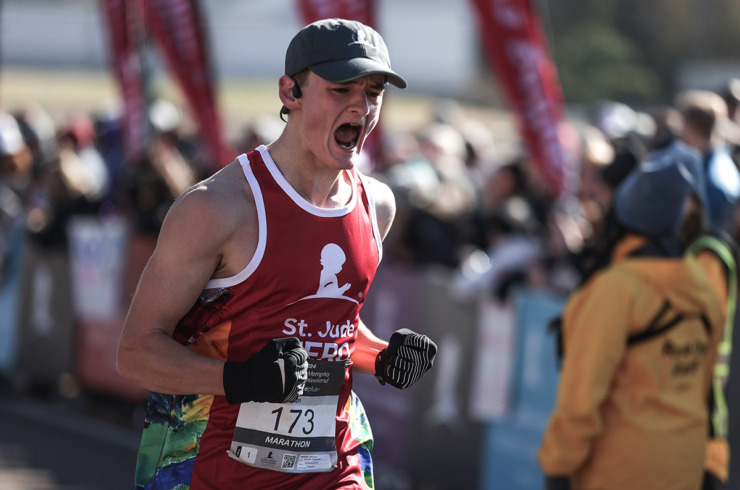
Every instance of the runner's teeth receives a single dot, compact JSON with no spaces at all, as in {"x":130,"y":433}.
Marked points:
{"x":347,"y":135}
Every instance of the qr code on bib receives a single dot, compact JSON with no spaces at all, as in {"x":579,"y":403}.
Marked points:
{"x":288,"y":461}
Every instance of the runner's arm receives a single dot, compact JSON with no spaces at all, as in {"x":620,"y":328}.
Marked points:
{"x":367,"y":348}
{"x":186,"y":256}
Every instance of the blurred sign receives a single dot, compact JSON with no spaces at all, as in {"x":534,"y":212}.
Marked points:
{"x":98,"y":257}
{"x":510,"y":447}
{"x":490,"y":396}
{"x":106,"y":261}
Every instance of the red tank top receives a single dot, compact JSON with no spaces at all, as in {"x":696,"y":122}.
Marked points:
{"x":308,"y":278}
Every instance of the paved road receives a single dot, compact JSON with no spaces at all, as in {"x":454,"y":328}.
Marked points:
{"x":48,"y":446}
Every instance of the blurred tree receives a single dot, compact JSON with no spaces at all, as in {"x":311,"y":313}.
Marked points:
{"x":728,"y":34}
{"x":595,"y":62}
{"x":632,"y":50}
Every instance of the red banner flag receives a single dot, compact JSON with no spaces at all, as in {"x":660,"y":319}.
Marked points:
{"x":123,"y":22}
{"x":517,"y":50}
{"x":362,"y":11}
{"x":177,"y":27}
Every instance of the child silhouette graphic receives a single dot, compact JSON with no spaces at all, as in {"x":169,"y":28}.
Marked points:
{"x":332,"y":259}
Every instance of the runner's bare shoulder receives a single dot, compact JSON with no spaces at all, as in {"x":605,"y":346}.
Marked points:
{"x":385,"y":203}
{"x":214,"y":212}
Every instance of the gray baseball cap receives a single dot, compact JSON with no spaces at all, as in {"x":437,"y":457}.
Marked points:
{"x":340,"y":50}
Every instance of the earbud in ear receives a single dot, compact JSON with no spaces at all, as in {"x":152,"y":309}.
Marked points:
{"x":296,"y":91}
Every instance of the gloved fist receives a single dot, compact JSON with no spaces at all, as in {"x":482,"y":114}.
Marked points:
{"x":276,"y":374}
{"x":408,"y":356}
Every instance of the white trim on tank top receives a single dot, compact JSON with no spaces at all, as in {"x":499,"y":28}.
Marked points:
{"x":297,"y":198}
{"x":300,"y":201}
{"x":259,"y":203}
{"x":373,"y":215}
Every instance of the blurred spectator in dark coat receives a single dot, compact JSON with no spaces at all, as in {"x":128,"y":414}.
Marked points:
{"x":15,"y":179}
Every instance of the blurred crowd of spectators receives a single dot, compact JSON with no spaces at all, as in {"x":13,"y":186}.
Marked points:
{"x":464,"y":206}
{"x":50,"y":171}
{"x":492,"y":222}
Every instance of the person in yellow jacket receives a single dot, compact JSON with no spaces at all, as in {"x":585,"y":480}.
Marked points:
{"x":640,"y":342}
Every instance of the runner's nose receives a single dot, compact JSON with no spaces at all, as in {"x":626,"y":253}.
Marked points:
{"x":361,"y":104}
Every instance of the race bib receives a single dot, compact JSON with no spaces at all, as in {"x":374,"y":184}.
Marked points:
{"x":296,"y":437}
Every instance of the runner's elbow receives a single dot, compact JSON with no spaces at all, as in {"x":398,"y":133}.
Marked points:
{"x":123,"y":362}
{"x":128,"y":359}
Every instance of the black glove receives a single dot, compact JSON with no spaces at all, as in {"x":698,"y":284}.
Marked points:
{"x":557,"y":483}
{"x":276,"y":374}
{"x":408,"y":356}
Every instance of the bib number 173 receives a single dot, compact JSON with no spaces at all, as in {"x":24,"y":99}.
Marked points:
{"x":293,"y":417}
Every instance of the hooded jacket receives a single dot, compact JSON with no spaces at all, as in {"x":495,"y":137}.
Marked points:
{"x":635,"y":416}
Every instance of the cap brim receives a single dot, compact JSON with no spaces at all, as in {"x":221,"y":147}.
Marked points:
{"x":346,"y":70}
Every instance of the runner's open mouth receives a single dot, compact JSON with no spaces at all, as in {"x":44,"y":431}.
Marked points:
{"x":347,"y":135}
